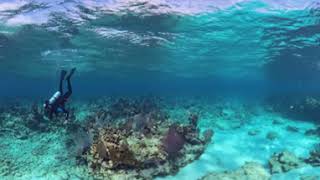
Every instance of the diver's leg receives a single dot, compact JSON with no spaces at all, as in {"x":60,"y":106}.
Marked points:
{"x":68,"y":94}
{"x":69,"y":86}
{"x":63,"y":74}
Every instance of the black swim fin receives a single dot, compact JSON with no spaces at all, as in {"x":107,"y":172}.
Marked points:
{"x":71,"y":73}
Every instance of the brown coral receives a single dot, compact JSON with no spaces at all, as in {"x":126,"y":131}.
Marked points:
{"x":111,"y":150}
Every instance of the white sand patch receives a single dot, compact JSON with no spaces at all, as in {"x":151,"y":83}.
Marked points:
{"x":232,"y":148}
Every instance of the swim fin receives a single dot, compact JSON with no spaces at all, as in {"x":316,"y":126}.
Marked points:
{"x":71,"y":73}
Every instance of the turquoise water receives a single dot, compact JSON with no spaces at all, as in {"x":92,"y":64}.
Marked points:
{"x":241,"y":65}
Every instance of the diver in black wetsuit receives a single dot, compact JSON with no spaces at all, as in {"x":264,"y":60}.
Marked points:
{"x":56,"y":104}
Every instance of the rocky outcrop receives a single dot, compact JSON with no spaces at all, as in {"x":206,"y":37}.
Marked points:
{"x":284,"y":162}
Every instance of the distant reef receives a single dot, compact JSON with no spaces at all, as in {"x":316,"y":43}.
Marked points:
{"x":296,"y":106}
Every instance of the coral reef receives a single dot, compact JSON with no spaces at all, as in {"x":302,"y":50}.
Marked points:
{"x":7,"y":167}
{"x":143,"y":143}
{"x":249,"y":171}
{"x":21,"y":120}
{"x":111,"y":138}
{"x":284,"y":162}
{"x":143,"y":139}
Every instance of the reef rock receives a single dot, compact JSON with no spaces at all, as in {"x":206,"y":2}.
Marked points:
{"x":310,"y":178}
{"x":284,"y":162}
{"x":277,"y":122}
{"x":314,"y":158}
{"x":249,"y":171}
{"x":292,"y":129}
{"x":272,"y":135}
{"x":253,"y":132}
{"x":313,"y":132}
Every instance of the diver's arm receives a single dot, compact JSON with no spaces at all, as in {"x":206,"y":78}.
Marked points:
{"x":66,"y":112}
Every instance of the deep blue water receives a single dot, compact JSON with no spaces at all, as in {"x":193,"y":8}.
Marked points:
{"x":230,"y":48}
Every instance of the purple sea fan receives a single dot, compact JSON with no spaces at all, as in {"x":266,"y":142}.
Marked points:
{"x":173,"y":141}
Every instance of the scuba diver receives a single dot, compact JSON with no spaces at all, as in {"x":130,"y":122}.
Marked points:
{"x":56,"y":104}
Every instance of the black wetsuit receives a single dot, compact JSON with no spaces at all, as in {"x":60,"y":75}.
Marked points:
{"x":59,"y":105}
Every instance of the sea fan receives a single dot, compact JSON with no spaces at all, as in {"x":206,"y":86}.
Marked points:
{"x":173,"y":142}
{"x":79,"y":141}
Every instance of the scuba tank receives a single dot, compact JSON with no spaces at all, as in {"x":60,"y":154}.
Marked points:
{"x":54,"y":97}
